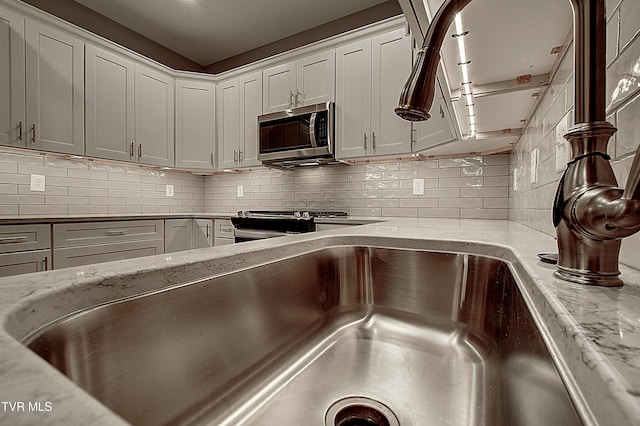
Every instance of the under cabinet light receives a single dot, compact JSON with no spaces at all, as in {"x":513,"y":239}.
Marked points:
{"x":467,"y":85}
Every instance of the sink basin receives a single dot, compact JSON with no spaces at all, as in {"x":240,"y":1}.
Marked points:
{"x":344,"y":335}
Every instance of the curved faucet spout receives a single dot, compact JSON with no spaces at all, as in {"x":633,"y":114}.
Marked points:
{"x":589,"y":24}
{"x":590,"y":212}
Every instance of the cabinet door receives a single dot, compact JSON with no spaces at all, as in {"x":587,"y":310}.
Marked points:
{"x":109,"y":109}
{"x":391,"y":66}
{"x":316,"y":79}
{"x":228,"y":123}
{"x":24,"y":262}
{"x":279,"y":87}
{"x":195,"y":118}
{"x":250,"y":108}
{"x":12,"y":122}
{"x":54,"y":89}
{"x":436,"y":130}
{"x":178,"y":235}
{"x":353,"y":99}
{"x":154,"y":117}
{"x":202,"y":233}
{"x":87,"y":255}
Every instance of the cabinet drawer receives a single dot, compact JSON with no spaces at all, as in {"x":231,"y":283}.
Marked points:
{"x":24,"y":263}
{"x":224,"y":228}
{"x":77,"y":256}
{"x":88,"y":233}
{"x":24,"y":237}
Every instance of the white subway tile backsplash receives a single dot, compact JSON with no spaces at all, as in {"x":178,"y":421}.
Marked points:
{"x":531,"y":204}
{"x":372,"y":189}
{"x":629,"y":19}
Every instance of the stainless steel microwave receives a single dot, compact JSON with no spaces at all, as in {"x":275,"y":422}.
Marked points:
{"x":298,"y":135}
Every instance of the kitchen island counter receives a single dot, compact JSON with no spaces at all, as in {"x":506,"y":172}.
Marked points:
{"x":593,"y":332}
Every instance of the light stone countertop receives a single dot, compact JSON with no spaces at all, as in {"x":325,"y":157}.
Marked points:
{"x":593,"y":332}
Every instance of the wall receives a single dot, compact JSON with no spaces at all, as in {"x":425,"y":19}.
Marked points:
{"x":77,"y":186}
{"x":531,"y":204}
{"x":472,"y":187}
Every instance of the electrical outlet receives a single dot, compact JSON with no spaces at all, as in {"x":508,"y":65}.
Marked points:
{"x":563,"y":149}
{"x":563,"y":155}
{"x":169,"y":190}
{"x":240,"y":191}
{"x":418,"y":187}
{"x":37,"y":183}
{"x":534,"y":165}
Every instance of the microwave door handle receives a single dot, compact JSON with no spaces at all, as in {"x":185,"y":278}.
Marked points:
{"x":312,"y":130}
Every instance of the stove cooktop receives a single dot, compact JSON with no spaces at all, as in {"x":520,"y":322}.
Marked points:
{"x":288,"y":214}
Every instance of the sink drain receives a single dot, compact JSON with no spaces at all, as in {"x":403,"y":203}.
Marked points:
{"x":359,"y":411}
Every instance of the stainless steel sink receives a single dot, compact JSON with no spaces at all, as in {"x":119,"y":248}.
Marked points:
{"x":346,"y":335}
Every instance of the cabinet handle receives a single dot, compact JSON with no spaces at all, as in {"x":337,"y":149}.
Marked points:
{"x":298,"y":94}
{"x":19,"y":130}
{"x":212,"y":161}
{"x":414,"y":131}
{"x":131,"y":150}
{"x":365,"y":141}
{"x":235,"y":156}
{"x":291,"y":104}
{"x":46,"y":263}
{"x":114,"y":232}
{"x":140,"y":151}
{"x":207,"y":231}
{"x":33,"y":133}
{"x":239,"y":155}
{"x":373,"y":140}
{"x":11,"y":240}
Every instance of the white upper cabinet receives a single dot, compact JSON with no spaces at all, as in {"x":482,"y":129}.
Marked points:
{"x":54,"y":89}
{"x":195,"y":119}
{"x":129,"y":110}
{"x":370,"y":75}
{"x":239,"y":104}
{"x":353,"y":99}
{"x":109,"y":108}
{"x":307,"y":81}
{"x":154,"y":116}
{"x":12,"y":86}
{"x":228,"y":100}
{"x":250,"y":109}
{"x":435,"y":131}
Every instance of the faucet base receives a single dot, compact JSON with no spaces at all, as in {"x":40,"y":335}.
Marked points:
{"x":588,"y":278}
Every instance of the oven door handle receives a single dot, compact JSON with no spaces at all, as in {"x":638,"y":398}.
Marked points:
{"x":255,"y":234}
{"x":312,"y":130}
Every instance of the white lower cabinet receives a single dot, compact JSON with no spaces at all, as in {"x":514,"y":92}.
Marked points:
{"x":24,"y":249}
{"x":77,"y":244}
{"x":187,"y":234}
{"x":223,"y":233}
{"x":203,"y":232}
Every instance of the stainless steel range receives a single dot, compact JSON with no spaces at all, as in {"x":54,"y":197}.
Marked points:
{"x":260,"y":224}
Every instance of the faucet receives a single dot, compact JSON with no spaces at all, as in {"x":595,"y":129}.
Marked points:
{"x":591,"y":213}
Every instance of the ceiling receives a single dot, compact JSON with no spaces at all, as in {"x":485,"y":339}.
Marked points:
{"x":506,"y":39}
{"x":208,"y":31}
